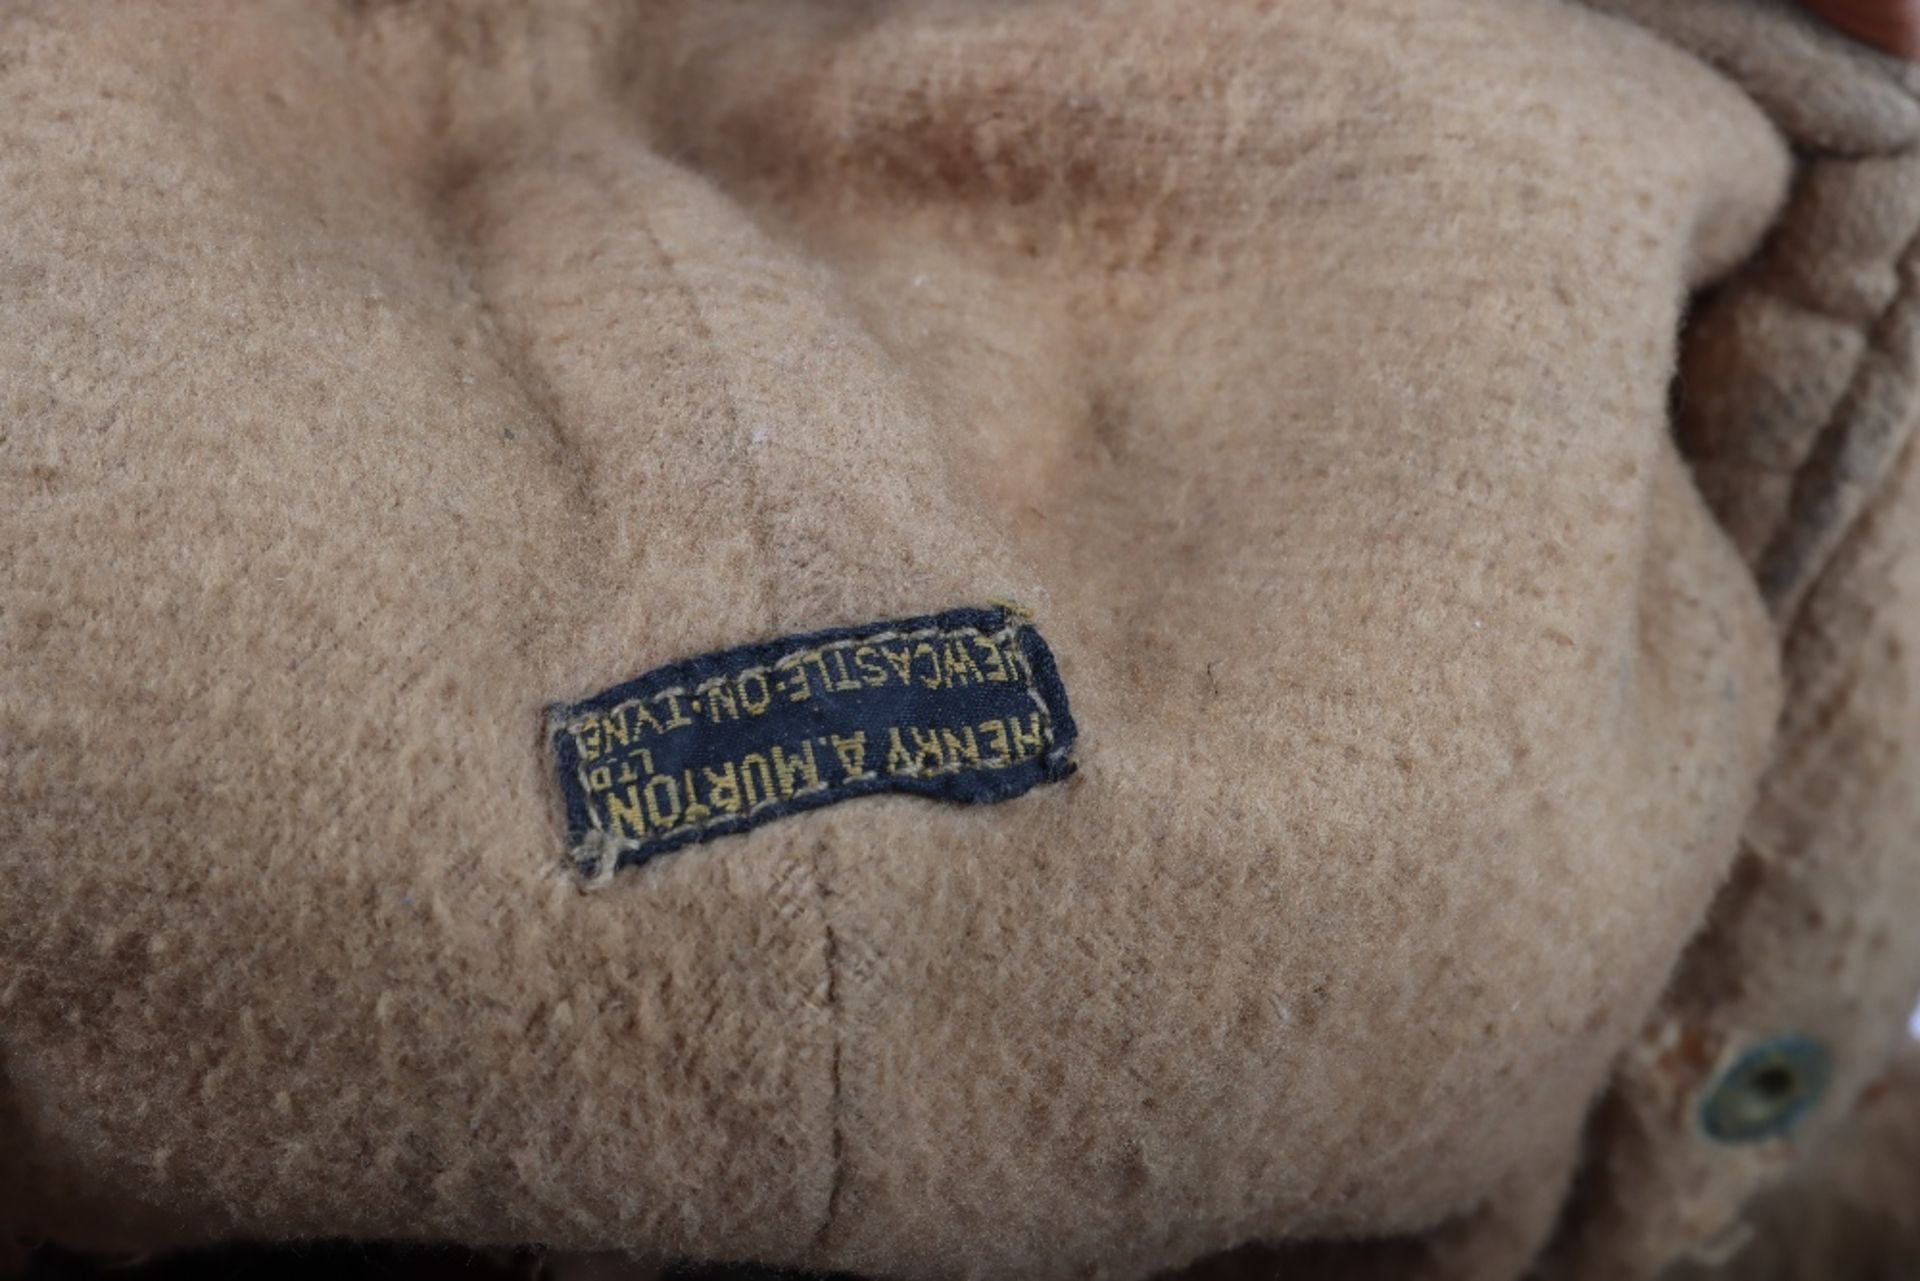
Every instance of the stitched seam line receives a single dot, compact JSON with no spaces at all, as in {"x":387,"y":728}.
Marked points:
{"x":837,"y":1141}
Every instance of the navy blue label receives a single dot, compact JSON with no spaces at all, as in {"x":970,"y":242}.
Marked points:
{"x":964,"y":706}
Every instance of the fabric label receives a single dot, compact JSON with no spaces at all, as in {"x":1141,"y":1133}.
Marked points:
{"x":963,"y":706}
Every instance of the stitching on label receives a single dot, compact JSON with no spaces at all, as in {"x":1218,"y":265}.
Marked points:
{"x":622,"y":844}
{"x":609,"y":813}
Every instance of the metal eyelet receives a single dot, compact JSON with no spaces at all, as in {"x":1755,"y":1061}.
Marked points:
{"x":1767,"y":1090}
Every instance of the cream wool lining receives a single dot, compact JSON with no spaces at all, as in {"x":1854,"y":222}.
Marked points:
{"x":1442,"y":765}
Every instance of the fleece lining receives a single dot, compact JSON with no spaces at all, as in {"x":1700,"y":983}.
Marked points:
{"x":377,"y":376}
